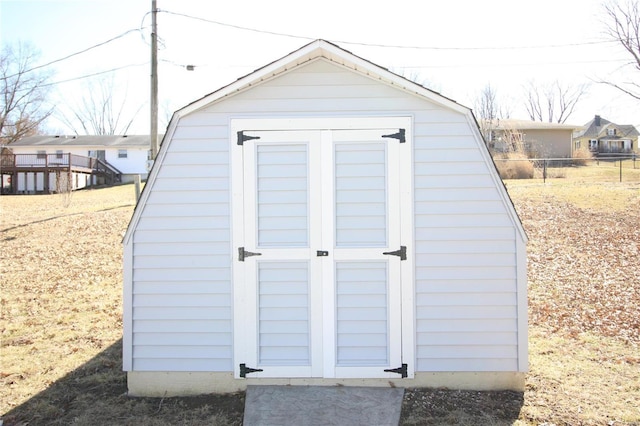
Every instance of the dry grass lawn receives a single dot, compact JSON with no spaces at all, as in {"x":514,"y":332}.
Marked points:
{"x":60,"y":319}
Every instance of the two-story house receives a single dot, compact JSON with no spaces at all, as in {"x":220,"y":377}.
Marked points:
{"x":602,"y":136}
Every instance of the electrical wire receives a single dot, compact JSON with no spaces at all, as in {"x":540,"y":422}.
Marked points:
{"x":94,"y":74}
{"x":75,"y":54}
{"x":393,"y":46}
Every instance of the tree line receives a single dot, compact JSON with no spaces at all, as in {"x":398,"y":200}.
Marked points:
{"x":26,"y":89}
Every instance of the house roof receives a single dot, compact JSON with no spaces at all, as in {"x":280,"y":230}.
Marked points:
{"x":515,"y":124}
{"x":115,"y":141}
{"x":312,"y":51}
{"x":591,"y":130}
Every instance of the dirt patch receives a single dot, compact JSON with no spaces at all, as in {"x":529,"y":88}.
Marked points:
{"x":440,"y":406}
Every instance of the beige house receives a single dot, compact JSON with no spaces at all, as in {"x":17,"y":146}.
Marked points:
{"x":604,"y":137}
{"x":537,"y":139}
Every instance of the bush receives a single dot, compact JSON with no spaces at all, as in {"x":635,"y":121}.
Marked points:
{"x":581,"y":156}
{"x":514,"y":165}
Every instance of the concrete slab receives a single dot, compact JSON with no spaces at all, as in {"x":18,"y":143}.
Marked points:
{"x":322,"y":405}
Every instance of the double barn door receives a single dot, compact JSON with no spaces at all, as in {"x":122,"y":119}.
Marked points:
{"x":317,"y":278}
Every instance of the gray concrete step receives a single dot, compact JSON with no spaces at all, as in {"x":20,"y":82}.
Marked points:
{"x":322,"y":405}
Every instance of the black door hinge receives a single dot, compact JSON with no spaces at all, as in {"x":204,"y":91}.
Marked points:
{"x":400,"y":136}
{"x":244,"y":370}
{"x":242,"y":253}
{"x":242,"y":138}
{"x":402,"y":253}
{"x":400,"y":370}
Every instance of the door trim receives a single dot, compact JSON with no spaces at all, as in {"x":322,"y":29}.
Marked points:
{"x":241,"y":320}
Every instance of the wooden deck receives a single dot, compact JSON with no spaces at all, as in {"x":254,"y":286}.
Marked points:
{"x":14,"y":166}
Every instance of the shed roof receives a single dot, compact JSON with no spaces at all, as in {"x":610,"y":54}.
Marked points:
{"x":329,"y":51}
{"x":115,"y":141}
{"x":318,"y":49}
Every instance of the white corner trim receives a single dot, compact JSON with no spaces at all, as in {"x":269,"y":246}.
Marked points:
{"x":522,"y":309}
{"x":127,"y":307}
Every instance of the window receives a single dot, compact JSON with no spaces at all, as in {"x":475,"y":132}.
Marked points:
{"x":59,"y":153}
{"x":577,"y":144}
{"x":122,"y":153}
{"x":42,"y":155}
{"x":611,"y":132}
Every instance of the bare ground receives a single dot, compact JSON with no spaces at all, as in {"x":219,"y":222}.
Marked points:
{"x":60,"y":318}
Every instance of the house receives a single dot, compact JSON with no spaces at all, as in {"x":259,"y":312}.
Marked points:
{"x":127,"y":154}
{"x":323,"y":221}
{"x":537,"y":139}
{"x":602,"y":136}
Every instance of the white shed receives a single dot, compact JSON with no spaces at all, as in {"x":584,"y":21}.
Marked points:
{"x":324,"y":221}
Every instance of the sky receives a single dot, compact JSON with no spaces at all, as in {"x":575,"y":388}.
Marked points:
{"x":456,"y":47}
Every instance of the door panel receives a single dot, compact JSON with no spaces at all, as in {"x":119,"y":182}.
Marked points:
{"x":282,"y":279}
{"x":282,"y":195}
{"x":283,"y":313}
{"x":366,"y":223}
{"x":360,"y":180}
{"x":362,"y":314}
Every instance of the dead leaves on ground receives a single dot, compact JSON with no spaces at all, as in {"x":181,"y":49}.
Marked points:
{"x":583,"y":268}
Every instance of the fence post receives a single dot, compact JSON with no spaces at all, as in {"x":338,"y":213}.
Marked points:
{"x":136,"y":181}
{"x":621,"y":170}
{"x":544,"y":171}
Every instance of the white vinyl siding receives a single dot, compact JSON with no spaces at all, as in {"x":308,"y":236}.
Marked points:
{"x":466,"y":298}
{"x":465,"y":242}
{"x":181,"y":273}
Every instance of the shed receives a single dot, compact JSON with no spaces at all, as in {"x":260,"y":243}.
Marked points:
{"x":325,"y":221}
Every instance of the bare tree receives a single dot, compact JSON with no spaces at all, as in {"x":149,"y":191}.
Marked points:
{"x":417,"y":77}
{"x":24,"y":93}
{"x":622,"y":25}
{"x":489,"y":109}
{"x":553,"y":102}
{"x":99,"y":112}
{"x":486,"y":108}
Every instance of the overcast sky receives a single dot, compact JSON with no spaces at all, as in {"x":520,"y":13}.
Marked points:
{"x":454,"y":47}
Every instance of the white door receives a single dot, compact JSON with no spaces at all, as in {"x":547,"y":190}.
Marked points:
{"x":281,"y":204}
{"x":318,"y":274}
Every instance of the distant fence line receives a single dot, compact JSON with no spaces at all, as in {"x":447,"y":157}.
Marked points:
{"x":544,"y":164}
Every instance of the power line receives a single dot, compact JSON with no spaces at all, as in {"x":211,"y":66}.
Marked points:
{"x":95,"y":74}
{"x":393,"y":46}
{"x":522,"y":64}
{"x":75,"y":54}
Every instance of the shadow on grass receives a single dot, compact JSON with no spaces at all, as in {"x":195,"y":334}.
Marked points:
{"x":47,"y":219}
{"x":95,"y":394}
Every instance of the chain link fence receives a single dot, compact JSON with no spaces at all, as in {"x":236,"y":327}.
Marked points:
{"x":611,"y":168}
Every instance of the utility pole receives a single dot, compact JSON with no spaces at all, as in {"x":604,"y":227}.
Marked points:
{"x":154,"y":82}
